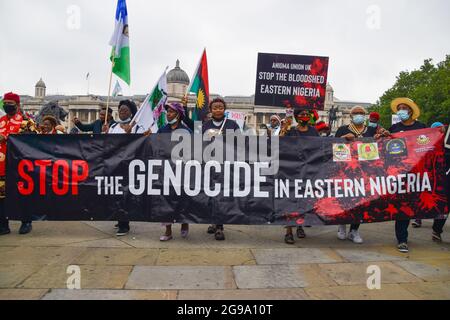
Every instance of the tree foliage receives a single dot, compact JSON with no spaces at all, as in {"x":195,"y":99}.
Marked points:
{"x":429,"y":87}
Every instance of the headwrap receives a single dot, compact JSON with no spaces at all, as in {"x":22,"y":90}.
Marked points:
{"x":375,"y":115}
{"x":177,"y":107}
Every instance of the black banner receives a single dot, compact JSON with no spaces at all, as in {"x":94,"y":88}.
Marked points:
{"x":297,"y":81}
{"x":317,"y":180}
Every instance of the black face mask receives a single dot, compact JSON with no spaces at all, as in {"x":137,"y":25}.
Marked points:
{"x":10,"y":108}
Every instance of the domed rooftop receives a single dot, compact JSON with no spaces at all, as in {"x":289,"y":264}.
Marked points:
{"x":178,"y":75}
{"x":40,"y":84}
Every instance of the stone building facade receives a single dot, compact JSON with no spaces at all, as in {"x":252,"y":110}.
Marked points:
{"x":87,"y":108}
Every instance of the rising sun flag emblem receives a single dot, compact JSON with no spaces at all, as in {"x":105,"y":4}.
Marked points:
{"x":201,"y":99}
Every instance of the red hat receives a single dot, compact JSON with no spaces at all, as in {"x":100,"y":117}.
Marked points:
{"x":321,"y":126}
{"x":374,"y":115}
{"x":13,"y":97}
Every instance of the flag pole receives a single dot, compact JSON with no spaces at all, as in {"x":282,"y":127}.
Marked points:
{"x":109,"y":91}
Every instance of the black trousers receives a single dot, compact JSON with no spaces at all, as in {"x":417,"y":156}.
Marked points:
{"x":438,"y":225}
{"x":401,"y":230}
{"x":4,"y":223}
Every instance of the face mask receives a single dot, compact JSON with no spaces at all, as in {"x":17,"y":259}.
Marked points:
{"x":173,"y":121}
{"x":124,"y":122}
{"x":10,"y":108}
{"x":359,"y":119}
{"x":373,"y":124}
{"x":403,"y":115}
{"x":304,"y":120}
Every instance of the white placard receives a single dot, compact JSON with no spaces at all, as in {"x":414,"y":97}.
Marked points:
{"x":239,"y":117}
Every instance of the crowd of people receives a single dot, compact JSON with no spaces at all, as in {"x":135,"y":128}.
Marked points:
{"x":297,"y":122}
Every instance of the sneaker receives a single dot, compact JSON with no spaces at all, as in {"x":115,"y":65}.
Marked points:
{"x":403,"y":247}
{"x":355,"y":237}
{"x":4,"y":231}
{"x":122,"y":232}
{"x":212,"y":229}
{"x":301,"y":233}
{"x":342,"y":232}
{"x":25,"y":228}
{"x":220,"y":236}
{"x":289,"y":238}
{"x":417,"y":223}
{"x":436,"y":237}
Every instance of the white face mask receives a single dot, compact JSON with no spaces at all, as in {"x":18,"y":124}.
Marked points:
{"x":124,"y":122}
{"x":173,"y":121}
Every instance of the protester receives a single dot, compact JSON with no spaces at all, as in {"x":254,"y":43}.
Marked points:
{"x":49,"y":125}
{"x":11,"y":123}
{"x":127,"y":110}
{"x":323,"y":129}
{"x":438,"y":225}
{"x":96,"y":126}
{"x":355,"y":130}
{"x":303,"y":129}
{"x":218,"y":125}
{"x":408,"y":112}
{"x":275,"y":125}
{"x":175,"y":115}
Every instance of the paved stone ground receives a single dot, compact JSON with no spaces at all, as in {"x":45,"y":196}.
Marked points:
{"x":253,"y":263}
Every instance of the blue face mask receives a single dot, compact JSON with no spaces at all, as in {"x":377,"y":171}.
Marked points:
{"x":403,"y":115}
{"x":373,"y":124}
{"x":359,"y":119}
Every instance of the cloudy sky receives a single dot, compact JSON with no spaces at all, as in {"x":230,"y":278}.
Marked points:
{"x":368,"y":42}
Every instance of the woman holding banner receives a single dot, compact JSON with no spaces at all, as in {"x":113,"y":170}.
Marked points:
{"x":218,"y":125}
{"x":175,"y":115}
{"x":303,"y":129}
{"x":127,"y":111}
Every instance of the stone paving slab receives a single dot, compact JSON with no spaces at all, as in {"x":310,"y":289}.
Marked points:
{"x":182,"y":277}
{"x":421,"y":252}
{"x":92,"y":277}
{"x":387,"y":292}
{"x":118,"y":257}
{"x":47,"y":233}
{"x":294,"y":256}
{"x":428,"y":270}
{"x":255,"y":294}
{"x":205,"y":257}
{"x":22,"y":294}
{"x":64,"y":294}
{"x":366,"y":255}
{"x":39,"y":255}
{"x":429,"y":290}
{"x":280,"y":276}
{"x":347,"y":274}
{"x":11,"y":276}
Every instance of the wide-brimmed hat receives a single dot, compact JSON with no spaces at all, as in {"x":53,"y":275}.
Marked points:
{"x":414,"y":107}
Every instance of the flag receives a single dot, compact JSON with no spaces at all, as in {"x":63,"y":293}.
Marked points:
{"x":151,"y":115}
{"x":117,"y":89}
{"x":120,"y":55}
{"x":200,"y":86}
{"x":87,"y":76}
{"x":2,"y":111}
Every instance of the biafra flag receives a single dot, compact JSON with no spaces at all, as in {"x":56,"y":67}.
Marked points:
{"x":200,"y":86}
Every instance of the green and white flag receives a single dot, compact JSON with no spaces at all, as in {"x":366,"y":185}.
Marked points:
{"x":120,"y":43}
{"x":152,"y":115}
{"x":117,"y":89}
{"x":2,"y":111}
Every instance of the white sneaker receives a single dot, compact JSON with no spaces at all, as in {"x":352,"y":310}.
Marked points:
{"x":342,"y":232}
{"x":355,"y":237}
